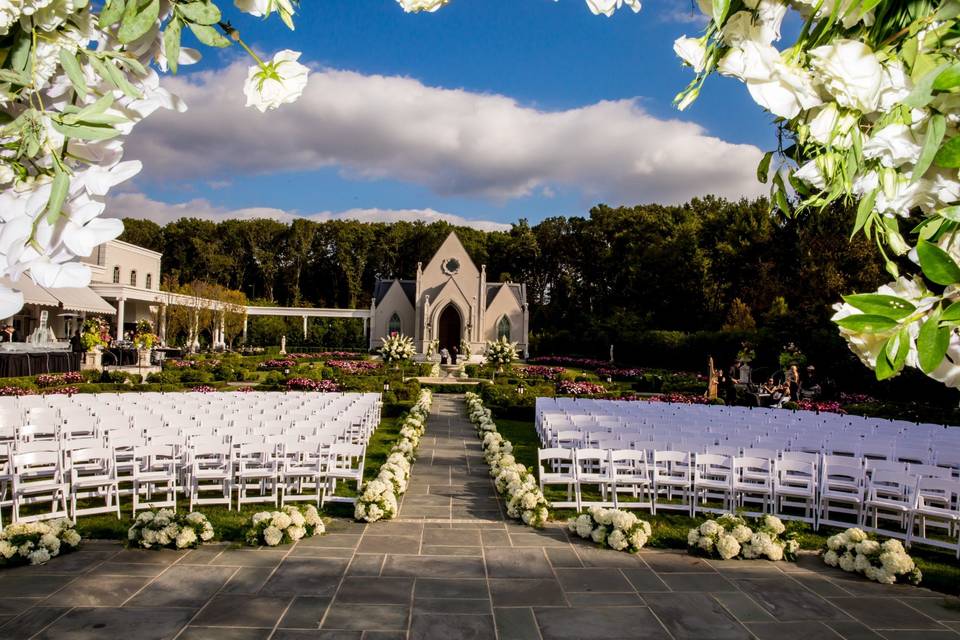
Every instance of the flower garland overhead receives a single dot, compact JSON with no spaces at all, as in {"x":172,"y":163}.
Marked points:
{"x":867,"y":102}
{"x":513,"y":480}
{"x":379,"y":499}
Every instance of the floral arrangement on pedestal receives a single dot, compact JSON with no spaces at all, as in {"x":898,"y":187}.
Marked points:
{"x":379,"y":498}
{"x":465,"y":351}
{"x":164,"y":528}
{"x":291,"y":523}
{"x":93,"y":332}
{"x":513,"y":480}
{"x":791,"y":355}
{"x":615,"y":528}
{"x":397,"y":348}
{"x":433,"y":347}
{"x":144,"y":338}
{"x":747,"y":353}
{"x":501,"y":353}
{"x":731,"y":536}
{"x":886,"y":562}
{"x":36,"y":542}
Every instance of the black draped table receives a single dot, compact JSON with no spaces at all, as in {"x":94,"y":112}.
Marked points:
{"x":120,"y":357}
{"x":31,"y":363}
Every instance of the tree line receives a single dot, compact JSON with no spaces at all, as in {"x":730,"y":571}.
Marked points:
{"x":663,"y":284}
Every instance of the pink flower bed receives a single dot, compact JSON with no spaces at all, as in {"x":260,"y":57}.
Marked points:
{"x":306,"y":384}
{"x":569,"y":387}
{"x":67,"y":391}
{"x":570,"y":361}
{"x":277,"y":364}
{"x":203,"y":388}
{"x":539,"y":371}
{"x":324,"y":355}
{"x":353,"y":367}
{"x":56,"y":379}
{"x":856,"y":398}
{"x":619,"y":374}
{"x":825,"y":407}
{"x":679,"y":398}
{"x":16,"y":391}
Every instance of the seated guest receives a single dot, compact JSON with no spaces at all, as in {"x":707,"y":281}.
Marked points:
{"x":9,"y":334}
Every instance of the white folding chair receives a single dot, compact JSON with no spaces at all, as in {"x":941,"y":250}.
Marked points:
{"x":341,"y":462}
{"x":712,"y":483}
{"x":937,"y":506}
{"x":890,"y":497}
{"x":300,"y":473}
{"x":155,"y":471}
{"x":795,"y":488}
{"x":556,"y":467}
{"x":841,"y":492}
{"x":753,"y":485}
{"x":672,"y":479}
{"x":256,"y":476}
{"x":631,"y":478}
{"x":211,"y":471}
{"x":38,"y":479}
{"x":93,"y":475}
{"x":592,"y":469}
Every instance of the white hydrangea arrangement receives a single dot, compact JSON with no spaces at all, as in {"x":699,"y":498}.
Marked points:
{"x":513,"y":480}
{"x":37,"y":542}
{"x":270,"y":528}
{"x":396,"y":348}
{"x":615,"y":528}
{"x":164,"y":528}
{"x":886,"y":562}
{"x":379,"y":499}
{"x":501,"y":352}
{"x":730,"y":536}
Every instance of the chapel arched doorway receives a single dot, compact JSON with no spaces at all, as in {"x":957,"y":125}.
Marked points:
{"x":449,"y":328}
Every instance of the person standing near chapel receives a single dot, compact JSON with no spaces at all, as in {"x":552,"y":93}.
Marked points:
{"x":453,"y":354}
{"x":793,"y":380}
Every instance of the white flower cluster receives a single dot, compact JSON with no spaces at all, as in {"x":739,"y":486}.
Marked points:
{"x":164,"y":528}
{"x":501,"y":352}
{"x":74,"y":83}
{"x":397,"y":348}
{"x":288,"y":525}
{"x":869,"y":97}
{"x":379,"y":498}
{"x":615,"y":528}
{"x":597,"y":7}
{"x":885,"y":562}
{"x":36,"y":542}
{"x":512,"y":479}
{"x":730,"y":536}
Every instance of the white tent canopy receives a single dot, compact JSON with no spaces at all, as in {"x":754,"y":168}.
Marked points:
{"x":82,"y":299}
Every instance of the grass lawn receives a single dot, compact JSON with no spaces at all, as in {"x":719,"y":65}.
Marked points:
{"x":941,"y":570}
{"x":230,"y":525}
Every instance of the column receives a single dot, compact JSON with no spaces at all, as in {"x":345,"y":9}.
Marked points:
{"x":245,"y":328}
{"x":223,"y":331}
{"x":120,"y":312}
{"x":195,"y":330}
{"x":305,"y":327}
{"x":162,"y":329}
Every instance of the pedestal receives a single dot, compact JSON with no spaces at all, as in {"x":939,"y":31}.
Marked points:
{"x":92,"y":360}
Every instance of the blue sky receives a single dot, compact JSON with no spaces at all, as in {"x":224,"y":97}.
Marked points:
{"x":547,"y":57}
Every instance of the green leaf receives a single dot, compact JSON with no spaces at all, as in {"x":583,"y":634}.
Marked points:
{"x":58,"y":192}
{"x":19,"y":56}
{"x":937,"y":265}
{"x":948,"y":156}
{"x":864,"y":209}
{"x":21,"y":78}
{"x":932,"y":342}
{"x":881,"y":305}
{"x":136,"y":23}
{"x":951,"y":313}
{"x":948,"y":78}
{"x":884,"y":369}
{"x":763,"y":169}
{"x":720,"y":10}
{"x":112,"y":12}
{"x":72,"y":68}
{"x":950,"y":213}
{"x":922,"y":92}
{"x":935,"y":130}
{"x":171,"y":43}
{"x":208,"y":35}
{"x":897,"y":348}
{"x":85,"y":131}
{"x":867,"y":323}
{"x":200,"y":12}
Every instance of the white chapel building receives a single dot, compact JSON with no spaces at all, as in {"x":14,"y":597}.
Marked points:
{"x":450,"y":302}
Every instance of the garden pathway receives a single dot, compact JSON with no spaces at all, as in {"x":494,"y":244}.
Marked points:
{"x":450,"y":567}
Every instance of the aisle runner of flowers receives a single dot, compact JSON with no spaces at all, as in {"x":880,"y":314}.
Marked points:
{"x":513,"y":480}
{"x":730,"y":536}
{"x":615,"y":528}
{"x":379,"y":499}
{"x":270,"y":528}
{"x":164,"y":528}
{"x":885,"y":562}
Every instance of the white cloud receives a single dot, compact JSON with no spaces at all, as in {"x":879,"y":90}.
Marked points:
{"x":452,"y":141}
{"x":138,"y":205}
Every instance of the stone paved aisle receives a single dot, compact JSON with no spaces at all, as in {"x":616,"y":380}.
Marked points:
{"x":451,"y":568}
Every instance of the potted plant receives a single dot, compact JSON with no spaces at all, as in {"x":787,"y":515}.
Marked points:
{"x":92,"y":342}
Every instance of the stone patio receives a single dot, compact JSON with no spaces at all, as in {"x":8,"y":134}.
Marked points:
{"x":451,"y":567}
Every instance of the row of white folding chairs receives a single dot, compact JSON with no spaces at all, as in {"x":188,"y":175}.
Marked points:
{"x":831,"y":490}
{"x":209,"y":472}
